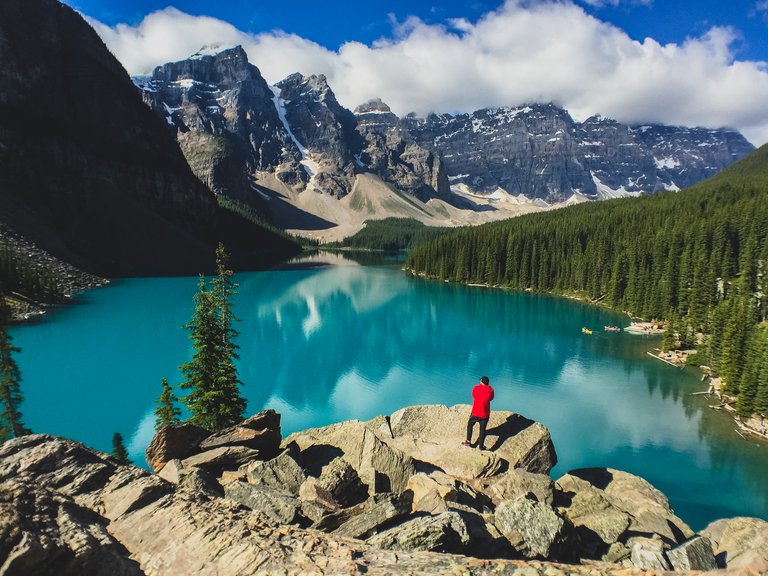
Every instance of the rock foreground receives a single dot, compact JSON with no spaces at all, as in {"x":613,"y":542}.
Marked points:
{"x":395,"y":495}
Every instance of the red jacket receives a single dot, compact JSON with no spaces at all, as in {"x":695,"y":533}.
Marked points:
{"x":482,"y":395}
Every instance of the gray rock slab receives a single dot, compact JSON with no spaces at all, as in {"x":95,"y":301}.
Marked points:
{"x":696,"y":554}
{"x":373,"y":514}
{"x":534,"y":529}
{"x":445,"y":532}
{"x":259,"y":432}
{"x":222,"y":457}
{"x":282,"y":472}
{"x":648,"y":554}
{"x":278,"y":505}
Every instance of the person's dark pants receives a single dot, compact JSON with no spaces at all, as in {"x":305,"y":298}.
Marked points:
{"x":471,"y":425}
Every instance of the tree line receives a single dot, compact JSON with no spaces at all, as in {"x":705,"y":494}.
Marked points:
{"x":213,"y":401}
{"x":392,"y":234}
{"x":696,"y":259}
{"x":20,"y":275}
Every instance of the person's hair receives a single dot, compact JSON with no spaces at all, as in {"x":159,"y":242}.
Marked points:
{"x":484,"y":380}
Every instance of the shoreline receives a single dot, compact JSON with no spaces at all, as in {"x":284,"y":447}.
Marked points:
{"x":756,"y":426}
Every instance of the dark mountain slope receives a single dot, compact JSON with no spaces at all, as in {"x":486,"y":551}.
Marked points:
{"x":87,"y":172}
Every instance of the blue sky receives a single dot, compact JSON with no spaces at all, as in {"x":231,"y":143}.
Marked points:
{"x":682,"y":62}
{"x":338,"y":21}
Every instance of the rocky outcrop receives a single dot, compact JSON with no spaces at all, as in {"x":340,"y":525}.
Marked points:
{"x":66,"y":508}
{"x":43,"y":532}
{"x":739,"y":542}
{"x":609,"y":507}
{"x":256,"y":438}
{"x":434,"y":434}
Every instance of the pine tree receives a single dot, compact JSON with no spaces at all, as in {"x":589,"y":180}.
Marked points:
{"x":119,"y":452}
{"x":669,"y":340}
{"x":214,"y":401}
{"x":11,"y":425}
{"x":166,"y":411}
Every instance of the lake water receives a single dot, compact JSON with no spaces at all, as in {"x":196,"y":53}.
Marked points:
{"x":325,"y":343}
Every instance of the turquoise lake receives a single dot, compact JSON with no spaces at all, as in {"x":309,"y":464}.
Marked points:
{"x":327,"y":339}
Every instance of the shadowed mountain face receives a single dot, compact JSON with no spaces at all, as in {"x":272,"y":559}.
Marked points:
{"x":87,"y":171}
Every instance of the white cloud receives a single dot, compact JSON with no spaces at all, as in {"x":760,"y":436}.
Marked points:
{"x":601,"y":3}
{"x":546,"y":50}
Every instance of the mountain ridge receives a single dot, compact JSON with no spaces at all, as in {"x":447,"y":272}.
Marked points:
{"x":487,"y":165}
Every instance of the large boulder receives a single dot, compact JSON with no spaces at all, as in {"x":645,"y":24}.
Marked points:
{"x":317,"y":502}
{"x":445,"y":532}
{"x":380,"y":467}
{"x":516,"y":483}
{"x":221,"y":458}
{"x":342,"y":483}
{"x":608,"y":506}
{"x":740,"y":542}
{"x":383,"y":468}
{"x":534,"y":529}
{"x":434,"y":434}
{"x":431,"y":490}
{"x":696,"y":554}
{"x":279,"y":505}
{"x":282,"y":472}
{"x":363,"y":520}
{"x":648,"y":554}
{"x":260,"y":432}
{"x":178,"y":440}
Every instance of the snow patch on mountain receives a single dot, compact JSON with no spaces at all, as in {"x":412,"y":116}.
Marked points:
{"x":605,"y":192}
{"x":310,"y":166}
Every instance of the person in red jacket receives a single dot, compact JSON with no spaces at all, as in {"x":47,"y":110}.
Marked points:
{"x":482,"y":394}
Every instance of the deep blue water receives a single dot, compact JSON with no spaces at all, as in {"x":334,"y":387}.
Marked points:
{"x":322,"y":344}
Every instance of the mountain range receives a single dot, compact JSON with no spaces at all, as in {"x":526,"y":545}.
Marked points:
{"x":268,"y":145}
{"x":93,"y":177}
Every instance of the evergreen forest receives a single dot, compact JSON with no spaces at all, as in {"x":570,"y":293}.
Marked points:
{"x":392,"y":234}
{"x":695,"y":259}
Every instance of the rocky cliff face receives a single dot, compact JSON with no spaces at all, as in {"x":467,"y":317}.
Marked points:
{"x":89,"y":174}
{"x":391,"y":153}
{"x":326,"y":131}
{"x":224,"y":118}
{"x":232,"y":127}
{"x":387,"y":496}
{"x":539,"y":151}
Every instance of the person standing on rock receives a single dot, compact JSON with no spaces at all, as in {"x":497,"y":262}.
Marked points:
{"x":482,"y":394}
